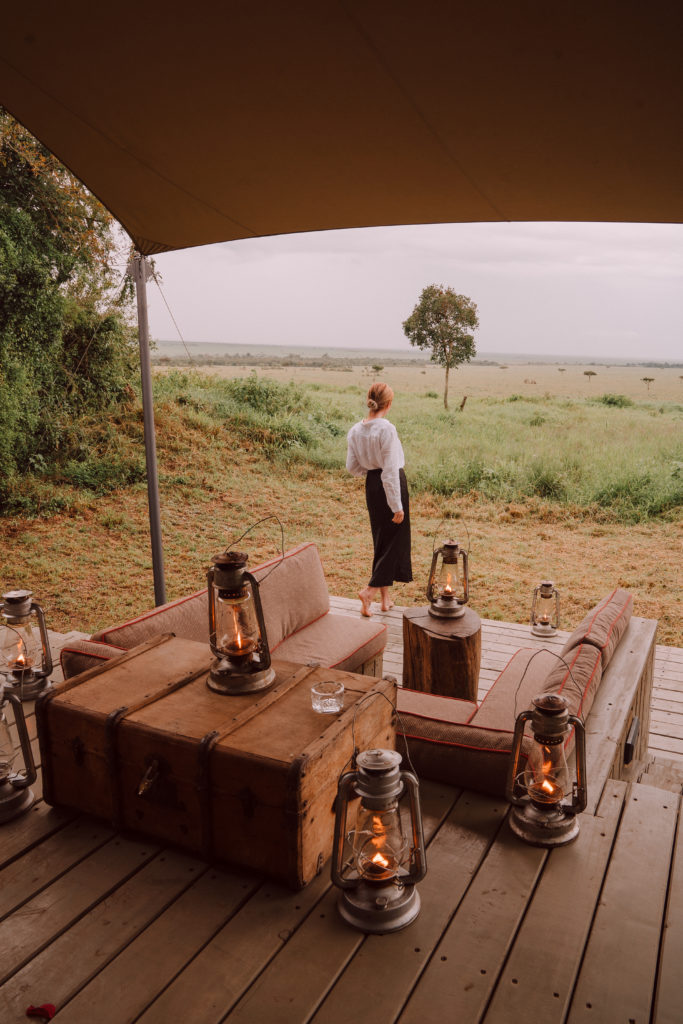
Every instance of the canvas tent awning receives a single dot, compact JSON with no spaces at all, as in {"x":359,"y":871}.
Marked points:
{"x":217,"y":121}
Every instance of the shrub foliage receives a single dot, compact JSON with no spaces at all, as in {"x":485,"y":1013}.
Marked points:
{"x":66,"y":342}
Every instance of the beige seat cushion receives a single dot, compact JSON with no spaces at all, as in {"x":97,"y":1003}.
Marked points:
{"x":335,"y":641}
{"x":522,"y":679}
{"x":604,"y":625}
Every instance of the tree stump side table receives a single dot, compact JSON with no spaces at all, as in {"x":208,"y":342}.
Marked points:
{"x":442,"y":656}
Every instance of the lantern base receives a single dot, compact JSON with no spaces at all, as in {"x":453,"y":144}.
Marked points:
{"x":541,"y":629}
{"x":223,"y":679}
{"x":28,"y":690}
{"x":543,"y":828}
{"x":14,"y":802}
{"x":379,"y":909}
{"x":446,"y":609}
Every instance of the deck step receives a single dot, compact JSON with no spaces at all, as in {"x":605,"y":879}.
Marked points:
{"x":663,"y":774}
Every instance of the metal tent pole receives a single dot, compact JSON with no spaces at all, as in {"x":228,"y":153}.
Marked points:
{"x":141,"y":271}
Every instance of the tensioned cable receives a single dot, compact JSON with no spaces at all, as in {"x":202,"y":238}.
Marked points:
{"x":155,"y":278}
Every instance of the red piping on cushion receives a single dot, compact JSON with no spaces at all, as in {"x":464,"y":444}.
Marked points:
{"x":601,"y":607}
{"x":149,"y":615}
{"x":621,"y":612}
{"x":598,"y":661}
{"x":89,"y":654}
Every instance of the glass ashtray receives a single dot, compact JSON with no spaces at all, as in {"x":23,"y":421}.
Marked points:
{"x":327,"y":697}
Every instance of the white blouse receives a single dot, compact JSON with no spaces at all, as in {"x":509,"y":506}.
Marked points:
{"x":374,"y":444}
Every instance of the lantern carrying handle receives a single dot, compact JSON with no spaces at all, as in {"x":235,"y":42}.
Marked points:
{"x":21,"y":780}
{"x":418,"y":867}
{"x":47,"y":653}
{"x":580,"y":799}
{"x":343,"y":791}
{"x":513,"y":788}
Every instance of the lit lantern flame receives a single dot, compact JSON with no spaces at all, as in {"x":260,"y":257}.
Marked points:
{"x":381,"y":861}
{"x":448,"y":589}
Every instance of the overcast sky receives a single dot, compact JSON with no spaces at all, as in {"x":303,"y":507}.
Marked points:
{"x":587,"y":290}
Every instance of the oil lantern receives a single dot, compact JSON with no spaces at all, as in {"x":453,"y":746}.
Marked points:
{"x":15,"y":795}
{"x":448,"y":588}
{"x":547,"y":798}
{"x":237,"y":632}
{"x":25,"y":658}
{"x":545,"y":609}
{"x":378,"y":863}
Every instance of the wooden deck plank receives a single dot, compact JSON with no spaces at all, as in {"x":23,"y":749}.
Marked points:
{"x":453,"y":859}
{"x":297,"y":981}
{"x":69,"y":897}
{"x":464,"y":968}
{"x":24,"y":877}
{"x":216,"y":978}
{"x":617,"y":979}
{"x":538,"y":979}
{"x":668,"y":998}
{"x":31,"y":828}
{"x":69,"y":961}
{"x":164,"y":948}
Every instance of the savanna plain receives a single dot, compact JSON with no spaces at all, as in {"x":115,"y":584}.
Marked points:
{"x":564,"y":472}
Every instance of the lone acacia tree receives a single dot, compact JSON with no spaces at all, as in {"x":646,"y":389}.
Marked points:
{"x":443,"y":321}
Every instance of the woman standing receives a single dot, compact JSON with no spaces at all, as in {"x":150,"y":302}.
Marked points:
{"x":375,"y":452}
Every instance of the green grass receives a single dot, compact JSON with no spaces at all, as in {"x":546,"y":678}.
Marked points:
{"x":615,"y":458}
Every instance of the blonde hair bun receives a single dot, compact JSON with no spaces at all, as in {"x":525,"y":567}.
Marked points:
{"x":380,"y":395}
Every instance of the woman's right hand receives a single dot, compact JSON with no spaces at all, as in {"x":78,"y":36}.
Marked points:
{"x":398,"y":517}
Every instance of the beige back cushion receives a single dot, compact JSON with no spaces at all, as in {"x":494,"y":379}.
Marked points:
{"x":577,"y":677}
{"x":188,"y":617}
{"x":604,"y":625}
{"x":293,"y":594}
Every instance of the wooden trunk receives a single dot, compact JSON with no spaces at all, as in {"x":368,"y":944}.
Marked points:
{"x":250,"y":780}
{"x":442,"y":655}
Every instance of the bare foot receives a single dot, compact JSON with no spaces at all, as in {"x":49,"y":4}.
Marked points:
{"x":365,"y":603}
{"x":387,"y":606}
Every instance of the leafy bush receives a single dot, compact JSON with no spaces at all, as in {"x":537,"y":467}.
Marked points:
{"x":620,"y":401}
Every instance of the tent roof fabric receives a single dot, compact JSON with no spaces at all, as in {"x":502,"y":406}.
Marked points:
{"x":210,"y":122}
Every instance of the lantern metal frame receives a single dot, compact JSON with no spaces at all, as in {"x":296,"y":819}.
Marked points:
{"x":15,"y":796}
{"x":388,"y":904}
{"x":448,"y":605}
{"x":546,"y":590}
{"x":231,"y":673}
{"x":543,"y":823}
{"x":18,"y":609}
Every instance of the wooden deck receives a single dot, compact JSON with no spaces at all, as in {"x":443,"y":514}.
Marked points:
{"x":117,"y":929}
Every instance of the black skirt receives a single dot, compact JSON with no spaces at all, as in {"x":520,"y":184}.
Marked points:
{"x":391,"y":541}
